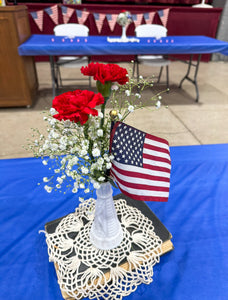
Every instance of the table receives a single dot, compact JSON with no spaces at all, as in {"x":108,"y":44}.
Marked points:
{"x":98,"y":45}
{"x":183,"y":20}
{"x":196,"y":215}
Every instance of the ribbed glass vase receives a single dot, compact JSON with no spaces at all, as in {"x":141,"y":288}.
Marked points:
{"x":106,"y":232}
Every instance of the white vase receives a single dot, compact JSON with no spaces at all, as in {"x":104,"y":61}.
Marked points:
{"x":106,"y":232}
{"x":123,"y":36}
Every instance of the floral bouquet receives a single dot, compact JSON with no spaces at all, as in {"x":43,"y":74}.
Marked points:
{"x":76,"y":145}
{"x":124,"y":18}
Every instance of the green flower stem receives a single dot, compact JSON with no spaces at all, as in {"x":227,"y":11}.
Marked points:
{"x":87,"y":138}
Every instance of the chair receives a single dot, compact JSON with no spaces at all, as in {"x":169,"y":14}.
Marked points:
{"x":156,"y":31}
{"x":70,"y":31}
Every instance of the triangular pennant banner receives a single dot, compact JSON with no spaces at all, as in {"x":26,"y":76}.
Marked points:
{"x":137,"y":19}
{"x":112,"y":20}
{"x":67,"y":12}
{"x":82,"y":16}
{"x":164,"y":15}
{"x":38,"y":18}
{"x":99,"y":19}
{"x":53,"y":13}
{"x":149,"y":17}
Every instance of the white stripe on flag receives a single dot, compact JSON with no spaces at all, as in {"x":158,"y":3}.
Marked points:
{"x":142,"y":192}
{"x":141,"y":170}
{"x":156,"y":153}
{"x":138,"y":180}
{"x":155,"y":143}
{"x":156,"y":163}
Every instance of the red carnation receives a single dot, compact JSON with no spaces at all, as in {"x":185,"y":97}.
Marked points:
{"x":77,"y":105}
{"x":106,"y":72}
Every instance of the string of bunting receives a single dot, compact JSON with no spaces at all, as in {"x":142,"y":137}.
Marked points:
{"x":67,"y":13}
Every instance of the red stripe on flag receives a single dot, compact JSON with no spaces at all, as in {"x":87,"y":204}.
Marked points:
{"x":140,"y":175}
{"x":156,"y":148}
{"x":156,"y":158}
{"x":156,"y":138}
{"x":143,"y":198}
{"x":140,"y":186}
{"x":156,"y":168}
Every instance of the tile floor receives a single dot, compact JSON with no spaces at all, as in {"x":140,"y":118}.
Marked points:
{"x":184,"y":122}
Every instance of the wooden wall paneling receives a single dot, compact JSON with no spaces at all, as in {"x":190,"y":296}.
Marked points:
{"x":18,"y":78}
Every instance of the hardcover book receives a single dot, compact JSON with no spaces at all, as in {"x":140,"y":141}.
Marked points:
{"x":160,"y":230}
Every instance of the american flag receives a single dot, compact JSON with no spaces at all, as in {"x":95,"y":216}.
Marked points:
{"x":141,"y":165}
{"x":99,"y":19}
{"x":38,"y":18}
{"x":67,"y":12}
{"x":53,"y":13}
{"x":137,"y":19}
{"x":82,"y":16}
{"x":149,"y":17}
{"x":112,"y":20}
{"x":164,"y":14}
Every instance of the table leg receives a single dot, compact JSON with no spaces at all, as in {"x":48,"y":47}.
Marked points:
{"x":53,"y":76}
{"x":194,"y":80}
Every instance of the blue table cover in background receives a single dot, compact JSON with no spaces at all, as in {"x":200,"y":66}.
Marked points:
{"x":41,"y":44}
{"x":196,"y":214}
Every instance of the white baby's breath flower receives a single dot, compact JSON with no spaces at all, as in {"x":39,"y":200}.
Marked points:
{"x":67,"y":123}
{"x":158,"y":104}
{"x":58,"y":186}
{"x":84,"y":170}
{"x":96,"y":152}
{"x":53,"y":135}
{"x":99,"y":132}
{"x":130,"y":108}
{"x":114,"y":87}
{"x":48,"y":188}
{"x":137,"y":95}
{"x":74,"y":190}
{"x":46,"y":145}
{"x":45,"y":179}
{"x":82,"y":185}
{"x":74,"y":160}
{"x":44,"y":162}
{"x":111,"y":157}
{"x":120,"y":116}
{"x":86,"y":191}
{"x":54,"y":147}
{"x":101,"y":178}
{"x":83,"y":152}
{"x":128,"y":93}
{"x":53,"y":111}
{"x":108,"y":165}
{"x":57,"y":171}
{"x":81,"y":199}
{"x":96,"y":185}
{"x":100,"y":115}
{"x":62,"y":147}
{"x":60,"y":180}
{"x":100,"y":161}
{"x":52,"y":122}
{"x":76,"y":184}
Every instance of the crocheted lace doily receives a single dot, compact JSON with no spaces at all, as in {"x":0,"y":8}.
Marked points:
{"x":85,"y":271}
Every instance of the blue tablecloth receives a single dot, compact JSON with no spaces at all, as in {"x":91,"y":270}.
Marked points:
{"x":98,"y":45}
{"x":196,"y":214}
